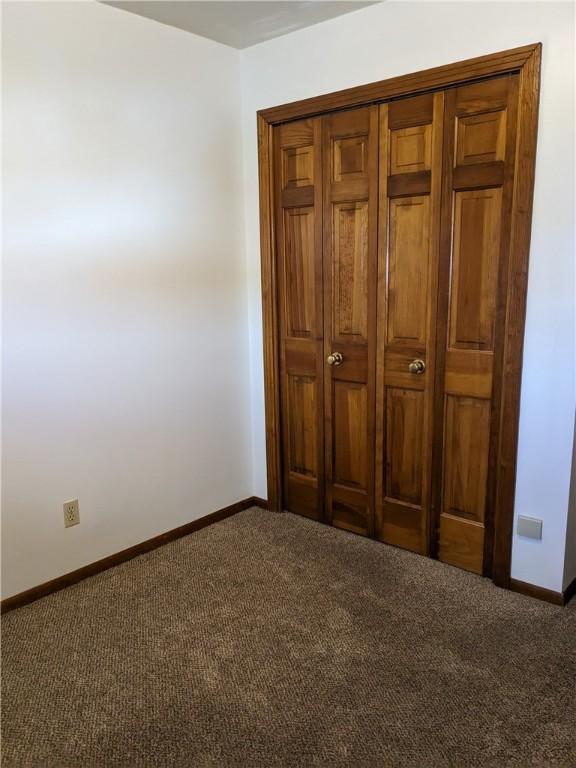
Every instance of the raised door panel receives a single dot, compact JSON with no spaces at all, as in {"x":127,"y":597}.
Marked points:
{"x":466,"y":449}
{"x":298,"y":167}
{"x":404,"y":433}
{"x":350,"y":258}
{"x":350,"y":158}
{"x":408,"y":267}
{"x":302,"y":409}
{"x":298,"y":157}
{"x":350,"y":426}
{"x":462,"y":543}
{"x":475,"y":260}
{"x":410,"y":166}
{"x":479,"y":151}
{"x":411,"y":149}
{"x":467,"y":434}
{"x":480,"y":138}
{"x":300,"y":268}
{"x":350,"y":304}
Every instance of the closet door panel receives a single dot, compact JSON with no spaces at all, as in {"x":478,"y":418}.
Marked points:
{"x":404,"y":431}
{"x":351,"y":459}
{"x":350,"y":146}
{"x":480,"y":138}
{"x":409,"y":194}
{"x":350,"y":271}
{"x":473,"y":284}
{"x":466,"y":445}
{"x":300,"y":254}
{"x":479,"y":149}
{"x":410,"y":149}
{"x":302,"y":418}
{"x":409,"y":232}
{"x":298,"y":158}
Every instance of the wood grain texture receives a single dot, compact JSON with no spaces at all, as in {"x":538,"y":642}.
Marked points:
{"x":408,"y":267}
{"x":350,"y":264}
{"x":411,"y":149}
{"x":302,"y":410}
{"x":404,"y":432}
{"x":407,"y":287}
{"x":466,"y":443}
{"x":300,"y":307}
{"x":407,"y":113}
{"x":297,"y":167}
{"x":499,"y":325}
{"x":476,"y":235}
{"x":269,"y":282}
{"x":300,"y":302}
{"x":481,"y":138}
{"x":350,"y":448}
{"x":461,"y":543}
{"x":475,"y":250}
{"x":479,"y":176}
{"x":350,"y":270}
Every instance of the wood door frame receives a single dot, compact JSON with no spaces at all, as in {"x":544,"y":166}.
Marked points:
{"x":524,"y":61}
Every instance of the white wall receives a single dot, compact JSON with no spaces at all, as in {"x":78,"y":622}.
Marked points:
{"x":396,"y":38}
{"x":126,"y":380}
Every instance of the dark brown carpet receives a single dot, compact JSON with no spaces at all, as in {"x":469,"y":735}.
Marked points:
{"x":269,"y":640}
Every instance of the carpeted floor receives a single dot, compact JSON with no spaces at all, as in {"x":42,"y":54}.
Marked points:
{"x":269,"y":640}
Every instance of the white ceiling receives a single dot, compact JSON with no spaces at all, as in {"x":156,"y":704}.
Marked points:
{"x":240,"y":23}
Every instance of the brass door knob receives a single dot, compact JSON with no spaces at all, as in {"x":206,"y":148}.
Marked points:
{"x":417,"y":366}
{"x":335,"y":359}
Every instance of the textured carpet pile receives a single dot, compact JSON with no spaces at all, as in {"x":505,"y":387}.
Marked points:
{"x":269,"y":640}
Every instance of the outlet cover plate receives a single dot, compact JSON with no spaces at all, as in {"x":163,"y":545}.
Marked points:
{"x":530,"y":527}
{"x":71,"y":513}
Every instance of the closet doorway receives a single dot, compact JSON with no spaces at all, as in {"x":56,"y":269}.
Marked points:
{"x":395,"y":227}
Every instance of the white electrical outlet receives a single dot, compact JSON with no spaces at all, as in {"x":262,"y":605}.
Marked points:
{"x":71,"y":513}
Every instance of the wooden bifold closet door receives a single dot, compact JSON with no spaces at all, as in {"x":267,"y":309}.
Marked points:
{"x":410,"y":177}
{"x":326,"y":202}
{"x":350,"y":152}
{"x":392,"y":234}
{"x":480,"y":126}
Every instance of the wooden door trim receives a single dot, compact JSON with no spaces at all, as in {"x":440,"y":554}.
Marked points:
{"x":512,"y":60}
{"x":525,"y":61}
{"x":269,"y":277}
